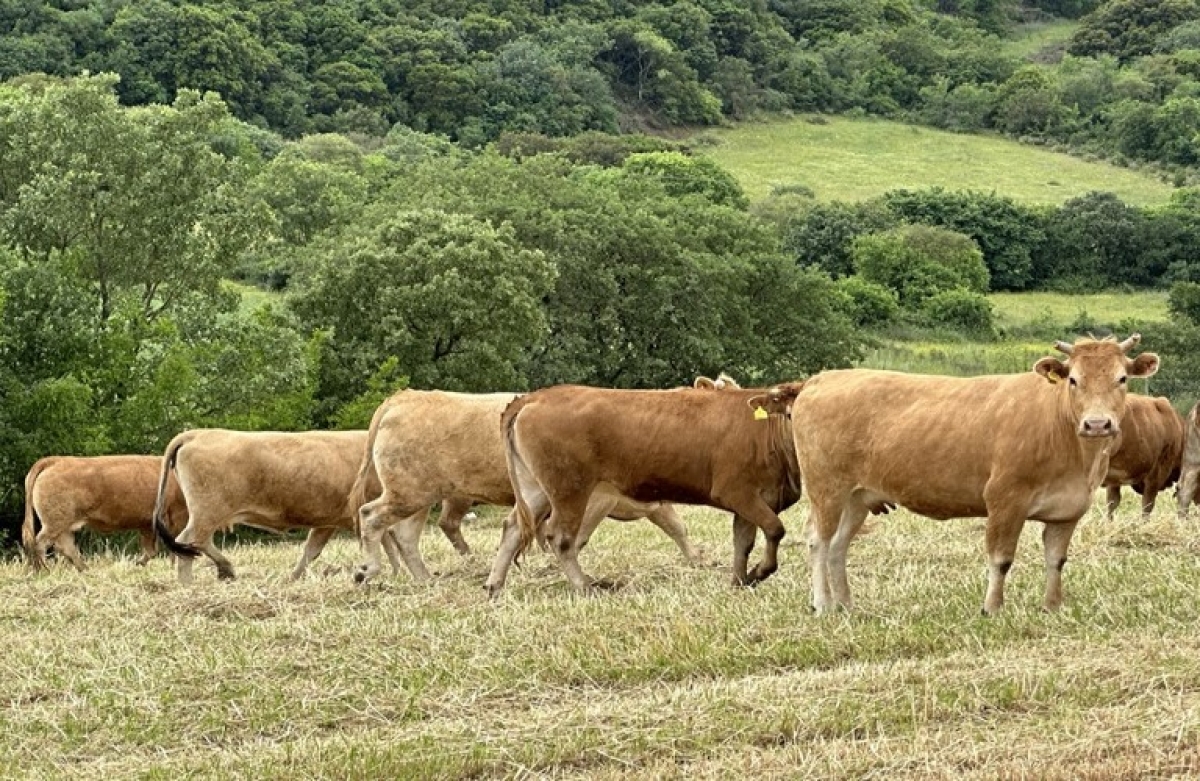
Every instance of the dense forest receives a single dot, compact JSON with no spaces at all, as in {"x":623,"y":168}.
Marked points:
{"x":483,"y":196}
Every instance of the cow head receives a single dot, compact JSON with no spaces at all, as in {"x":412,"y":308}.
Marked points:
{"x":1094,"y":377}
{"x":776,"y":400}
{"x":722,"y":382}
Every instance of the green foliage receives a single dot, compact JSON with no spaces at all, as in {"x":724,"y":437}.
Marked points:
{"x":452,"y":297}
{"x":960,"y":309}
{"x":1007,"y":232}
{"x":682,"y":175}
{"x":1184,"y":302}
{"x":822,"y":235}
{"x":356,"y":414}
{"x":1129,"y":28}
{"x":918,"y":263}
{"x":871,"y":304}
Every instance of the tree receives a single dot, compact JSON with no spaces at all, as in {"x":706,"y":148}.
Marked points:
{"x":452,"y":297}
{"x":137,"y":198}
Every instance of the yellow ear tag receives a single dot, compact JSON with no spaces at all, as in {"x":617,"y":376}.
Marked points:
{"x":760,"y":413}
{"x":1052,"y":377}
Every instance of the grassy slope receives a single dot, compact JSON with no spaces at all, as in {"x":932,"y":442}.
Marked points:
{"x":118,"y":672}
{"x":851,"y":160}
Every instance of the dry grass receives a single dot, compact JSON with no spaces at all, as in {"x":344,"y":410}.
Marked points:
{"x":119,"y":672}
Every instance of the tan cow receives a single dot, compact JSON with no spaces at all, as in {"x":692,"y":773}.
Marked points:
{"x":104,"y":493}
{"x":1008,"y":447}
{"x":1148,"y":451}
{"x":431,"y":446}
{"x":267,"y":479}
{"x":1189,"y":471}
{"x":568,"y":445}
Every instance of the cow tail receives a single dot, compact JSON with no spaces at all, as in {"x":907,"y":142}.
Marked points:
{"x":160,"y":501}
{"x":29,"y":526}
{"x":367,"y":473}
{"x":512,"y":456}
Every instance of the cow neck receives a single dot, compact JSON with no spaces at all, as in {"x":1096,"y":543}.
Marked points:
{"x":781,"y":446}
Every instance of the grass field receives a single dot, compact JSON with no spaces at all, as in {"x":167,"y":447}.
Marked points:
{"x":1032,"y":41}
{"x":855,"y":159}
{"x":120,"y":673}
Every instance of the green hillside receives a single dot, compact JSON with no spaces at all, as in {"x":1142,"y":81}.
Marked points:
{"x":855,"y":159}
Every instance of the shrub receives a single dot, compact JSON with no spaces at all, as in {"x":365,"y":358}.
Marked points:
{"x":870,"y":304}
{"x":960,"y":309}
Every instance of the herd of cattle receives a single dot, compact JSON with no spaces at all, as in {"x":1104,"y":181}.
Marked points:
{"x":1011,"y":448}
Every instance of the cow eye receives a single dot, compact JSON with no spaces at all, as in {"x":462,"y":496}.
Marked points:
{"x":1121,"y":380}
{"x":1072,"y":382}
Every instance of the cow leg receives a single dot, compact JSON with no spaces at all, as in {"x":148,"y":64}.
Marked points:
{"x":744,"y":537}
{"x":1149,"y":499}
{"x":1055,"y":539}
{"x":759,"y":513}
{"x":854,"y":512}
{"x":666,"y":517}
{"x":313,"y":545}
{"x":450,"y":522}
{"x":224,"y":567}
{"x":392,"y":549}
{"x":65,"y":546}
{"x":42,"y":544}
{"x":510,"y":544}
{"x":1187,"y":490}
{"x":1113,"y":493}
{"x":408,"y":537}
{"x":149,"y":542}
{"x":818,"y":559}
{"x":1002,"y":532}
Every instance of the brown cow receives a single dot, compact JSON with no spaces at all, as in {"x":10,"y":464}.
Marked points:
{"x":267,"y":479}
{"x":1008,"y":447}
{"x":104,"y":493}
{"x":430,"y":446}
{"x":1189,"y":471}
{"x":568,"y":444}
{"x":1148,"y":451}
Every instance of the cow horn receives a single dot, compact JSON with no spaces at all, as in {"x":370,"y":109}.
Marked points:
{"x":1131,"y":342}
{"x":1064,"y":347}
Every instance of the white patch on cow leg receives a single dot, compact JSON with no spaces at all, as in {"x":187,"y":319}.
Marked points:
{"x":374,"y":520}
{"x":854,"y":512}
{"x":823,"y":524}
{"x":1001,"y":534}
{"x":1056,"y":537}
{"x":510,"y":542}
{"x":313,"y":545}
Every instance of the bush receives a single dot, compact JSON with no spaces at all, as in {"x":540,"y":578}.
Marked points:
{"x":871,"y":304}
{"x":960,"y":309}
{"x":1184,"y":302}
{"x":918,"y":261}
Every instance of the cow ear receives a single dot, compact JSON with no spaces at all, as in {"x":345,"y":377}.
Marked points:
{"x":1052,"y":369}
{"x":704,"y":382}
{"x":1144,"y":365}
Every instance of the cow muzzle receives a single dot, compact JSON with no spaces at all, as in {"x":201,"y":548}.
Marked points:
{"x":1098,"y":427}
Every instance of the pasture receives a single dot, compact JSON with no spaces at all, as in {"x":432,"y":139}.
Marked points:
{"x":846,"y":159}
{"x":119,"y":672}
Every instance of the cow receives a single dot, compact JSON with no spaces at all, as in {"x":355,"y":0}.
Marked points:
{"x":1009,"y":448}
{"x":267,"y":479}
{"x":1189,"y":470}
{"x":1148,"y":452}
{"x":430,"y":446}
{"x":104,"y":493}
{"x":568,"y":445}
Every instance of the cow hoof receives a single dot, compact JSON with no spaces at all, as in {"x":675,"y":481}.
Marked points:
{"x":360,"y":577}
{"x":225,"y":575}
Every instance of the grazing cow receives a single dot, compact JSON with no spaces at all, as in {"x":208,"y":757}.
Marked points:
{"x":430,"y":446}
{"x":1189,"y":471}
{"x":567,"y":445}
{"x":1148,"y":451}
{"x":104,"y":493}
{"x":1008,"y":447}
{"x":270,"y":480}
